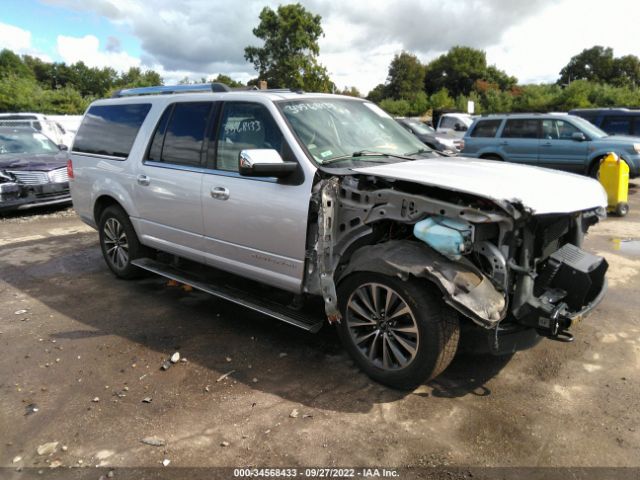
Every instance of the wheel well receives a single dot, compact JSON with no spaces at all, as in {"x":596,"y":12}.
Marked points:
{"x":593,"y":163}
{"x":101,"y":204}
{"x":491,"y":156}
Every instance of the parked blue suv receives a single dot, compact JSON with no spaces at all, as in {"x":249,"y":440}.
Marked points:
{"x":559,"y":141}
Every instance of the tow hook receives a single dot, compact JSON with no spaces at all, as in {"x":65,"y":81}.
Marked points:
{"x":553,"y":328}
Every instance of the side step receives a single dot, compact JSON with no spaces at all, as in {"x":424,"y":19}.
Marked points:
{"x":311,"y":323}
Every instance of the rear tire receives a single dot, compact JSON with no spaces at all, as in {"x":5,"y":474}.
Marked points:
{"x":119,"y":243}
{"x":491,"y":156}
{"x":410,"y":343}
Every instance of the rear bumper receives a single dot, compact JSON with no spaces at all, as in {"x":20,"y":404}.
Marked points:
{"x":16,"y":196}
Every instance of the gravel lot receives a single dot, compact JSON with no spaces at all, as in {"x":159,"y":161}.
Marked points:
{"x":81,"y":352}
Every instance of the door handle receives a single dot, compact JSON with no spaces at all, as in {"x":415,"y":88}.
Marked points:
{"x":143,"y":180}
{"x":547,"y":144}
{"x":504,"y":143}
{"x":220,"y":193}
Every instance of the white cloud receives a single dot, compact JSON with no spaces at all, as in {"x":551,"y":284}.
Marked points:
{"x":14,"y":38}
{"x":87,"y":49}
{"x":19,"y":41}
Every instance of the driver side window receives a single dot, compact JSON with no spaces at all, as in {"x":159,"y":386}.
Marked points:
{"x":245,"y":126}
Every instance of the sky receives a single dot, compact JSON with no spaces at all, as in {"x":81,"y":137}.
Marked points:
{"x":530,"y":39}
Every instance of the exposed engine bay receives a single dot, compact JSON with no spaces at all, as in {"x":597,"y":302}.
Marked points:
{"x":497,"y":263}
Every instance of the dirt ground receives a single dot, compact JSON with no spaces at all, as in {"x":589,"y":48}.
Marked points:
{"x":81,"y":352}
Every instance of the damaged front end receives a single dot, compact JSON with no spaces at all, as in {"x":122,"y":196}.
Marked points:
{"x":21,"y":189}
{"x":496,"y":263}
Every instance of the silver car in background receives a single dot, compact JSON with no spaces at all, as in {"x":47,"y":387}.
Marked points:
{"x":314,"y":208}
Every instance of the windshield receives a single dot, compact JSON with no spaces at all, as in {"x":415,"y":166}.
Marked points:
{"x":420,"y":127}
{"x":26,"y":142}
{"x":589,"y":128}
{"x":333,"y":129}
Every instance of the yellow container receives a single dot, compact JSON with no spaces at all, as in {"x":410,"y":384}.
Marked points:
{"x":614,"y":177}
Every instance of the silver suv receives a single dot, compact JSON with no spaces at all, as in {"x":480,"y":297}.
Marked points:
{"x":312,"y":207}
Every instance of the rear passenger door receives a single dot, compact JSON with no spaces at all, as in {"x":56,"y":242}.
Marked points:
{"x":169,"y":180}
{"x":253,"y":226}
{"x":519,"y":140}
{"x":559,"y":150}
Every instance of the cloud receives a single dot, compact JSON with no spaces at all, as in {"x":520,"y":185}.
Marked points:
{"x":361,"y":36}
{"x":113,"y":44}
{"x":19,"y":41}
{"x":87,"y":49}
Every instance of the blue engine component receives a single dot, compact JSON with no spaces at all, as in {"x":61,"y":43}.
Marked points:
{"x":445,"y":235}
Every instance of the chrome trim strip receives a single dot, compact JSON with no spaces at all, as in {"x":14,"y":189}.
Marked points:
{"x":98,"y":155}
{"x":208,"y":171}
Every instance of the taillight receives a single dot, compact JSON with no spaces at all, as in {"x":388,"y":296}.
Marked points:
{"x":70,"y":169}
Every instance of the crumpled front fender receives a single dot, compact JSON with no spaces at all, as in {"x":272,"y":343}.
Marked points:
{"x":464,"y":287}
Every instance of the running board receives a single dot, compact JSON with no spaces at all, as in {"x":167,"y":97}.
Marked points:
{"x":272,"y":309}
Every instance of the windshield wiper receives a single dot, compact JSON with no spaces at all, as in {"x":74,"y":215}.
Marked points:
{"x":365,"y":153}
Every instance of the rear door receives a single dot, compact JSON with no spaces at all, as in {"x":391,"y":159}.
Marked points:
{"x":169,"y":181}
{"x":559,"y":150}
{"x":519,"y":140}
{"x":255,"y":227}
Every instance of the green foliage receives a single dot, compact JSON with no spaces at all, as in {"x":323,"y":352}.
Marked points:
{"x":288,"y":58}
{"x":378,"y":93}
{"x":598,"y":64}
{"x":351,"y":92}
{"x":30,"y":84}
{"x":460,"y":68}
{"x":441,"y":100}
{"x":228,"y":81}
{"x":406,"y":76}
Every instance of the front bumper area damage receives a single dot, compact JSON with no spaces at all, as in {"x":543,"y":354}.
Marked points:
{"x":569,"y":285}
{"x":463,"y":286}
{"x":17,"y":196}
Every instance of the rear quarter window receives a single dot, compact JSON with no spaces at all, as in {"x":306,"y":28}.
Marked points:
{"x":486,"y":128}
{"x":110,"y":129}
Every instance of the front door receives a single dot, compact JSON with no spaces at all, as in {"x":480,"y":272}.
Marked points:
{"x":169,"y":181}
{"x":254,"y":227}
{"x":559,"y":150}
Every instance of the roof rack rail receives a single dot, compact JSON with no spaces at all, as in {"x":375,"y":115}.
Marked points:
{"x":169,"y":89}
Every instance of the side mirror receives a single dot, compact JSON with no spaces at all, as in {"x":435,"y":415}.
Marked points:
{"x":62,"y":147}
{"x":264,"y":163}
{"x":578,"y":136}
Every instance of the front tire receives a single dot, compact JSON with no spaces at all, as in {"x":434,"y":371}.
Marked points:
{"x":119,"y":243}
{"x":398,"y":332}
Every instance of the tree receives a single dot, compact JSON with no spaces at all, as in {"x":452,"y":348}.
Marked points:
{"x":228,"y":81}
{"x":595,"y":64}
{"x":288,"y":58}
{"x":460,"y":68}
{"x":12,"y":64}
{"x":351,"y":92}
{"x":378,"y":93}
{"x":406,"y":76}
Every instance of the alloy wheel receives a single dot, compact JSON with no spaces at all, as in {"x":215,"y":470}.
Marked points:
{"x":115,"y":243}
{"x":382,"y":326}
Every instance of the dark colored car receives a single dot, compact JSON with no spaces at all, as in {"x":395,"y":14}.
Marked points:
{"x":614,"y":121}
{"x":33,"y":170}
{"x":430,"y":137}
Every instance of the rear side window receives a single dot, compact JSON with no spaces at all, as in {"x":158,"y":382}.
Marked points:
{"x":521,"y":128}
{"x":486,"y":128}
{"x":110,"y":129}
{"x":617,"y":125}
{"x":180,"y":134}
